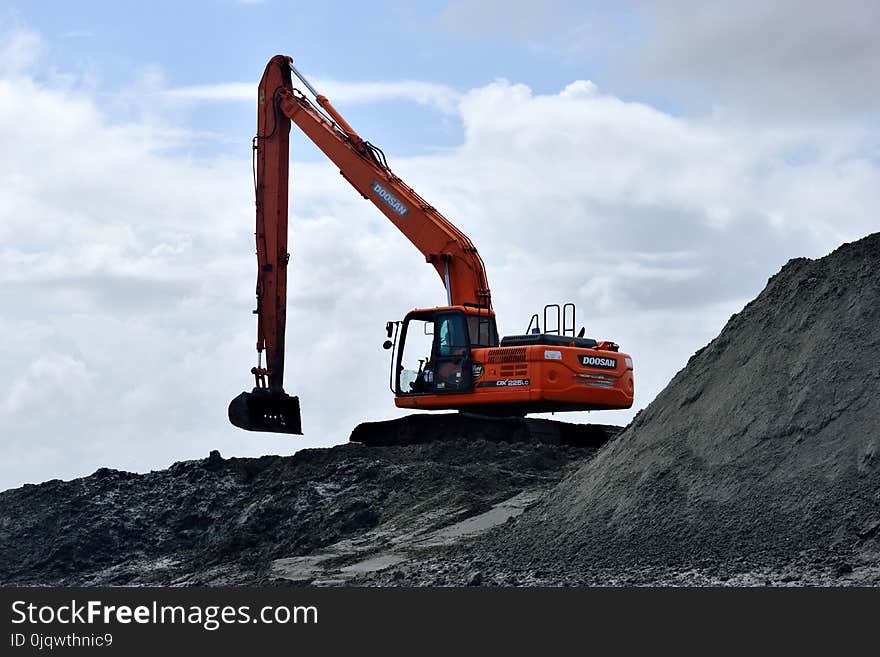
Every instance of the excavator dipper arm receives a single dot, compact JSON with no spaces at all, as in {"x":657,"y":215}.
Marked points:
{"x":267,"y":407}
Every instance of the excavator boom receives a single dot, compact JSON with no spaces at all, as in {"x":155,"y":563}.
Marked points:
{"x":363,"y":165}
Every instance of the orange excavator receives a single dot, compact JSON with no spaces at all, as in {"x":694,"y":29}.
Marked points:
{"x":446,"y":357}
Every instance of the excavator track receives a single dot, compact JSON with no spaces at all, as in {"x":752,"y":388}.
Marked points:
{"x":418,"y":429}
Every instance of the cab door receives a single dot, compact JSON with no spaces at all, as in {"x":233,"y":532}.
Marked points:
{"x":451,"y":354}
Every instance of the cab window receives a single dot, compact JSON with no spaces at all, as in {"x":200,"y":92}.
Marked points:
{"x":482,"y":330}
{"x":452,"y":334}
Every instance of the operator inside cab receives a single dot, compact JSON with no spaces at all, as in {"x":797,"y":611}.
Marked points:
{"x":443,"y":371}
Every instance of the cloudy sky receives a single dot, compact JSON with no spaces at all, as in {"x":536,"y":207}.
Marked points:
{"x":653,"y":162}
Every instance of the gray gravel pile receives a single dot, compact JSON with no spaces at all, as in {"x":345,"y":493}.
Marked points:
{"x":763,"y":452}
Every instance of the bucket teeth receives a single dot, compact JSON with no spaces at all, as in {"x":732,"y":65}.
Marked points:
{"x":261,"y":410}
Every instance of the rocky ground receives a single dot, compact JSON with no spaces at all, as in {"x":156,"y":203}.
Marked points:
{"x":323,"y":515}
{"x":758,"y":464}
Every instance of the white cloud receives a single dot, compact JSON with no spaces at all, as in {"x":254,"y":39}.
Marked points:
{"x":19,"y":51}
{"x":437,"y":96}
{"x":53,"y":383}
{"x":227,"y":91}
{"x":127,"y":272}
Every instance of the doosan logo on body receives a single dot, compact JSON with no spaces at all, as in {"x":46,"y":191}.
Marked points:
{"x":599,"y":361}
{"x":390,"y":199}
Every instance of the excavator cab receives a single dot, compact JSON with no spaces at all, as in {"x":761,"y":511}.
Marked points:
{"x":436,"y":358}
{"x":434,"y":350}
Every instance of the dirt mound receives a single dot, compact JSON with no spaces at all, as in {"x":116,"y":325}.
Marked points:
{"x":218,"y":521}
{"x":764,"y":449}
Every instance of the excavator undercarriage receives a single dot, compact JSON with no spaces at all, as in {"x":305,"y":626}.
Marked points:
{"x":423,"y":428}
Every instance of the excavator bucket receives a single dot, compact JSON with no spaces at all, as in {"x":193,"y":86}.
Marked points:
{"x":262,"y":410}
